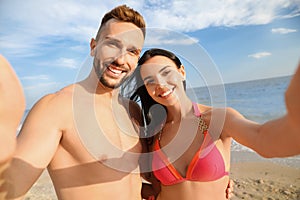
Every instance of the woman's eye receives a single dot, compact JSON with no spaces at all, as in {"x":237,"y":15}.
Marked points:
{"x":150,"y":82}
{"x":166,"y":72}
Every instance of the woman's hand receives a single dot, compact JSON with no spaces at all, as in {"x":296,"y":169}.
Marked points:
{"x":229,"y":189}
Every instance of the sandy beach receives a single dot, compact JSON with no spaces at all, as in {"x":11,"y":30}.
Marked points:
{"x":255,"y":179}
{"x":265,"y":181}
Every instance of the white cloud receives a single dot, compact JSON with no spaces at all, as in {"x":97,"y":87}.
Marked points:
{"x":28,"y":24}
{"x":61,"y":62}
{"x":42,"y":86}
{"x":157,"y":36}
{"x":199,"y":14}
{"x":260,"y":55}
{"x":80,"y":19}
{"x":66,"y":62}
{"x":61,"y":18}
{"x":38,"y":77}
{"x":283,"y":30}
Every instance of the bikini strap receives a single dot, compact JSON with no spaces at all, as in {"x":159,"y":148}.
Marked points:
{"x":201,"y":124}
{"x":196,"y":110}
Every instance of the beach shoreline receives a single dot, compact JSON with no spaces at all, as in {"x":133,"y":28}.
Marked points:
{"x":254,"y":177}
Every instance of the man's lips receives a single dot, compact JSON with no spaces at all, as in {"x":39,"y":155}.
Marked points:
{"x":116,"y":70}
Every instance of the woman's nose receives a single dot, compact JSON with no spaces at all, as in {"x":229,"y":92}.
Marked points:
{"x":161,"y":82}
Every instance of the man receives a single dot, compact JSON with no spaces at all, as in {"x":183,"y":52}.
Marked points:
{"x":75,"y":133}
{"x":50,"y":137}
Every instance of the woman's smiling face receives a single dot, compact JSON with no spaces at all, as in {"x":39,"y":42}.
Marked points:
{"x":163,"y":80}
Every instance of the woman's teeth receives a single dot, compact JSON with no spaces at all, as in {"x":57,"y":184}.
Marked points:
{"x":166,"y":93}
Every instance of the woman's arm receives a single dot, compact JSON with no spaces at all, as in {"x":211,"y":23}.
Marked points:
{"x":275,"y":138}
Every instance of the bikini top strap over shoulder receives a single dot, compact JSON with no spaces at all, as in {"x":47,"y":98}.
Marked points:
{"x":202,"y":125}
{"x":196,"y":110}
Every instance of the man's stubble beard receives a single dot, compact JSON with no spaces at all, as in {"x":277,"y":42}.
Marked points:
{"x":106,"y":83}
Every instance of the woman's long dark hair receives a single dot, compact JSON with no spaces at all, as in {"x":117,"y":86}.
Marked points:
{"x":154,"y":113}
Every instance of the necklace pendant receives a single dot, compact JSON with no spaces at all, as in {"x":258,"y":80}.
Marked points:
{"x":202,"y":125}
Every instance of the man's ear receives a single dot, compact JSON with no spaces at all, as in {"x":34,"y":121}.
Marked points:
{"x":93,"y":45}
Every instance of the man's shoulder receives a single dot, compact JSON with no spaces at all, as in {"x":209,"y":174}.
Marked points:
{"x":56,"y":100}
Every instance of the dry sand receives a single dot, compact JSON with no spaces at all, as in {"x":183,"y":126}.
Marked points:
{"x":253,"y":180}
{"x":265,"y":181}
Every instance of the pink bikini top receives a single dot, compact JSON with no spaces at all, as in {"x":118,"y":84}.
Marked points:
{"x":208,"y":167}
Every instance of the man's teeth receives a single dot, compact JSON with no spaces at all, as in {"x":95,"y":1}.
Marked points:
{"x":116,"y":71}
{"x":166,"y":93}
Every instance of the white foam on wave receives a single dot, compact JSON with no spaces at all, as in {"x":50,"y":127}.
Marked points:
{"x":238,"y":147}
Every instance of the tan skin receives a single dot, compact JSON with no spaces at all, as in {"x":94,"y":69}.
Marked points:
{"x":276,"y":138}
{"x":52,"y":133}
{"x":11,"y":111}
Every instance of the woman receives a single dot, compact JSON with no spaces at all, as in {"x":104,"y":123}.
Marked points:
{"x":191,"y":148}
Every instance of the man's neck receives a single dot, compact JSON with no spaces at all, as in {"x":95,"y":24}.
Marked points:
{"x":94,"y":86}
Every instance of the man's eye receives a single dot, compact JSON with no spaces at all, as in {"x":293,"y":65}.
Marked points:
{"x":112,"y":43}
{"x":134,"y":52}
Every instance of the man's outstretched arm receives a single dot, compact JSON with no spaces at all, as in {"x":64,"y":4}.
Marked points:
{"x":12,"y":106}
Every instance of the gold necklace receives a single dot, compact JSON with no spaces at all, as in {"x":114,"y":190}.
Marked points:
{"x":201,"y":125}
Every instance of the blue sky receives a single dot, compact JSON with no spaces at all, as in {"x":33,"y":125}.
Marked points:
{"x":47,"y":41}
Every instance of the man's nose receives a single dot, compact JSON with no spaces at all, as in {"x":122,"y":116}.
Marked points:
{"x":121,"y":58}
